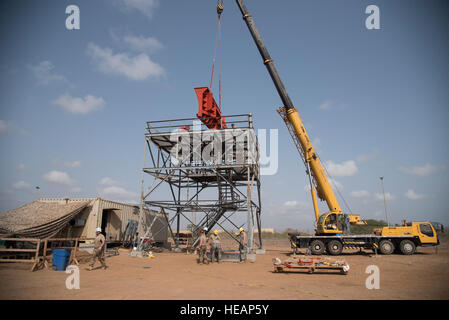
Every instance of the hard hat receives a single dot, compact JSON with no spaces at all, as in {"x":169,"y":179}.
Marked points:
{"x":215,"y":231}
{"x":205,"y":229}
{"x":98,"y":229}
{"x":241,"y":229}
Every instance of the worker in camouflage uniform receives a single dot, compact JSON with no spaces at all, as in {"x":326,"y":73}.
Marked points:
{"x":215,"y":243}
{"x":242,"y":244}
{"x":202,"y":246}
{"x":99,"y":249}
{"x":347,"y":224}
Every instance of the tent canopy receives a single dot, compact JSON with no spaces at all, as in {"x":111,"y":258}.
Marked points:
{"x":39,"y":219}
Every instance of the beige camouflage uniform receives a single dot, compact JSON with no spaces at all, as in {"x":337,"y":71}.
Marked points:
{"x":97,"y":252}
{"x":202,"y":249}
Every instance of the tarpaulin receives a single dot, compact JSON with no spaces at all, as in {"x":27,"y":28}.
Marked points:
{"x":38,"y":219}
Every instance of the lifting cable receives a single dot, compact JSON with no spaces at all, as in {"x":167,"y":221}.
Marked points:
{"x":218,"y":42}
{"x":332,"y":181}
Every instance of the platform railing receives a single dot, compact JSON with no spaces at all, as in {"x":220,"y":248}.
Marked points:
{"x":235,"y":121}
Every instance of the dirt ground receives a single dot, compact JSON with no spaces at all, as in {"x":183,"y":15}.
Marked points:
{"x":424,"y":275}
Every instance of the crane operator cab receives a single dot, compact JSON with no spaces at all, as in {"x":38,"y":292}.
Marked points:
{"x":335,"y":223}
{"x":330,"y":223}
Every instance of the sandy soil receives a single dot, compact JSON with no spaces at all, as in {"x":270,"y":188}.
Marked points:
{"x":424,"y":275}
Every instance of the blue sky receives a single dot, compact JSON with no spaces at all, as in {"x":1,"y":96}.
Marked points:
{"x":74,"y":103}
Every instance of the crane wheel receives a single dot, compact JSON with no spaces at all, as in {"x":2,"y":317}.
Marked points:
{"x":386,"y":247}
{"x":407,"y":247}
{"x":334,"y":247}
{"x":317,"y":247}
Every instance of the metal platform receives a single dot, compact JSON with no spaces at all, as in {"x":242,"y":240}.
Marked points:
{"x":210,"y":176}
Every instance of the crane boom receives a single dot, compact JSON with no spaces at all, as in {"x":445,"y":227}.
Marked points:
{"x":265,"y":55}
{"x":292,"y":118}
{"x":329,"y":225}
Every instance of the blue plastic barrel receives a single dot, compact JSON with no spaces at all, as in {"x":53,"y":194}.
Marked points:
{"x":61,"y":258}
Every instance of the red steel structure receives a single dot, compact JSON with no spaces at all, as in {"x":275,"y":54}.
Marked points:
{"x":208,"y":111}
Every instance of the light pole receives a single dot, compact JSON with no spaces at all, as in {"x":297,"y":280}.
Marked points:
{"x":385,"y":201}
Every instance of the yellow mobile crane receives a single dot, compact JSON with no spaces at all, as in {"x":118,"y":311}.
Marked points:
{"x":329,"y":226}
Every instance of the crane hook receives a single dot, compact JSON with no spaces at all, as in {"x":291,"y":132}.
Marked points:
{"x":220,"y":7}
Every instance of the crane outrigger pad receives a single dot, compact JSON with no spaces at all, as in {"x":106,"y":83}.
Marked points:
{"x":209,"y":112}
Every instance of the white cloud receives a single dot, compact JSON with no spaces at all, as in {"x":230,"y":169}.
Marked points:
{"x":21,"y":185}
{"x":345,"y":169}
{"x":359,"y":194}
{"x":108,"y":182}
{"x":412,"y":195}
{"x":330,"y":104}
{"x":291,"y":209}
{"x":67,"y":164}
{"x":79,"y":105}
{"x":118,"y":193}
{"x":146,"y":7}
{"x":422,"y":171}
{"x":326,"y":105}
{"x":141,"y":43}
{"x":293,"y":203}
{"x":112,"y":190}
{"x":293,"y":206}
{"x":388,"y":196}
{"x":138,"y":67}
{"x":9,"y":127}
{"x":59,"y":177}
{"x":335,"y":184}
{"x":72,"y":164}
{"x":45,"y":74}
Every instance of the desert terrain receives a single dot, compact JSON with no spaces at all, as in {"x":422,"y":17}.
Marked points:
{"x":169,"y":275}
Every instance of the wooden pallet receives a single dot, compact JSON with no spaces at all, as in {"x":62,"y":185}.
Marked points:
{"x":309,"y":268}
